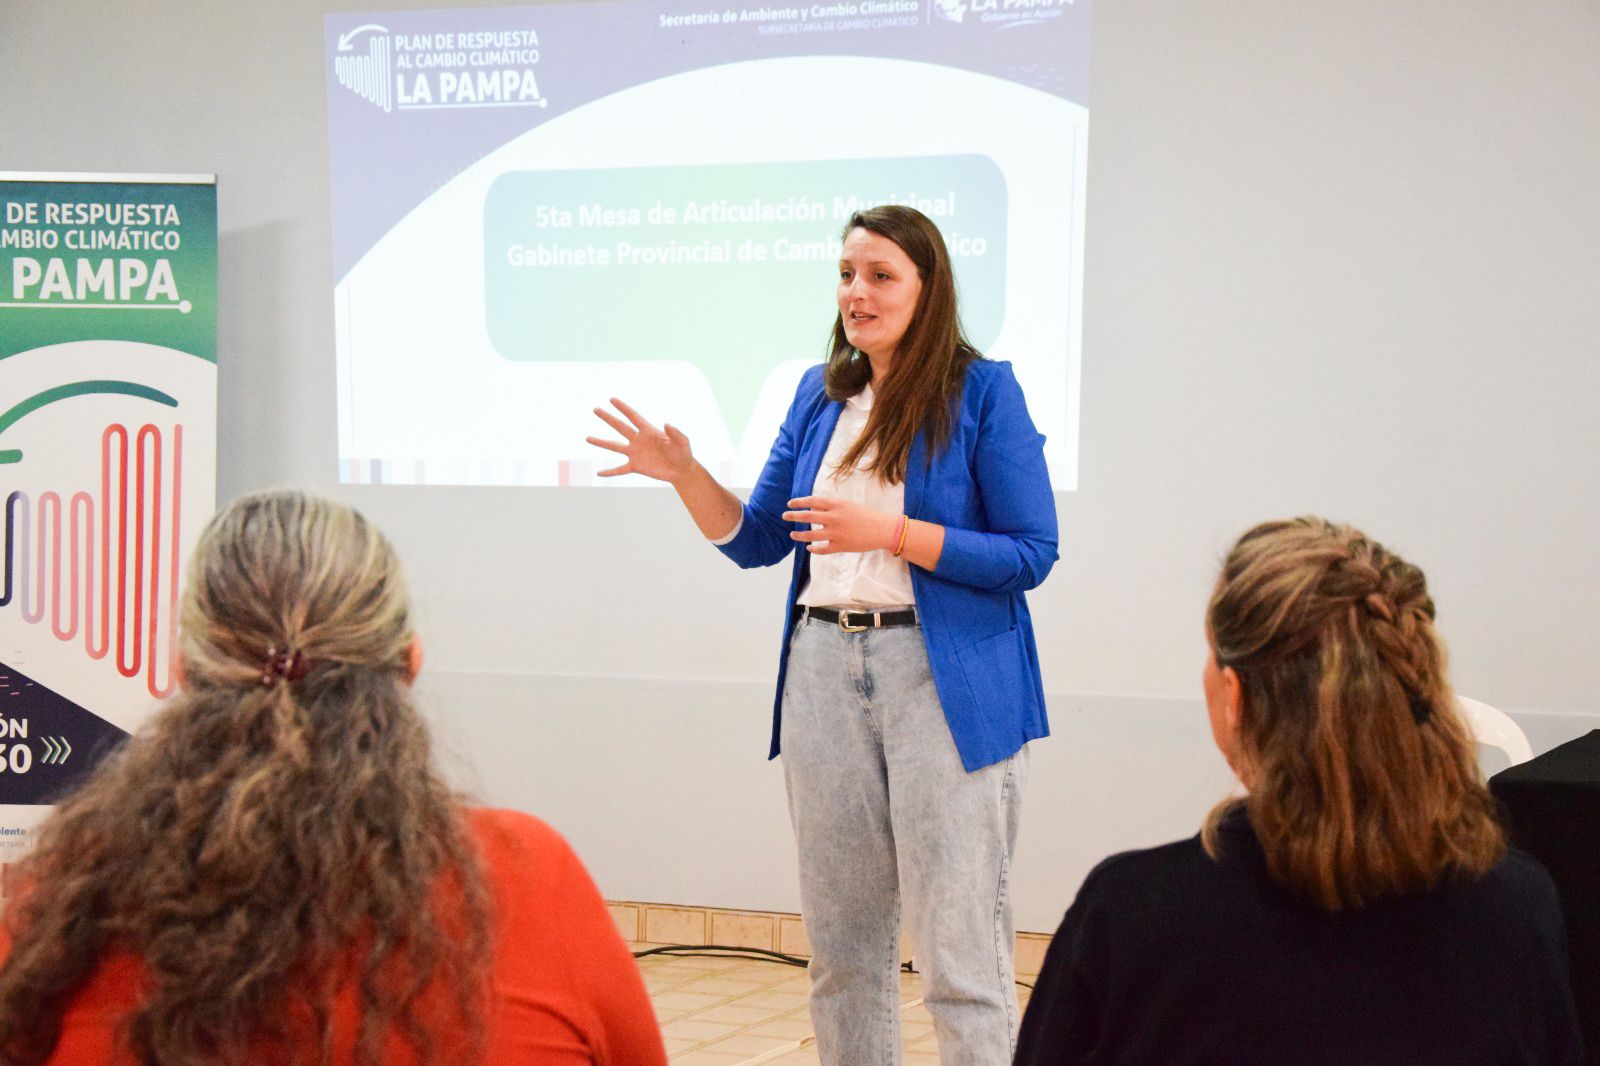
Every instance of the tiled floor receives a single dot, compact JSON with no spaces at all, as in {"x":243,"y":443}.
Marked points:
{"x":739,"y":1012}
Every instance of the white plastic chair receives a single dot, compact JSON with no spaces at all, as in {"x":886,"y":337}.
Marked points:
{"x":1495,"y":729}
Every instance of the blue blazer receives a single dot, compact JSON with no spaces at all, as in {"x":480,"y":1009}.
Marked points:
{"x":990,"y":490}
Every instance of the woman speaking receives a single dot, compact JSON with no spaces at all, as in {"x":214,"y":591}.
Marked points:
{"x":908,"y":684}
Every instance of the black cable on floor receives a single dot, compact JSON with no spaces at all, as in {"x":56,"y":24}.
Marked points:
{"x":724,"y":951}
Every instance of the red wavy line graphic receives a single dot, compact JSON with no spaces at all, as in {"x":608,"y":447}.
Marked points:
{"x":145,"y":612}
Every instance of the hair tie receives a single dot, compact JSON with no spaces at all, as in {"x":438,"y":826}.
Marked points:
{"x":285,"y":665}
{"x":1421,"y":710}
{"x":1378,"y":607}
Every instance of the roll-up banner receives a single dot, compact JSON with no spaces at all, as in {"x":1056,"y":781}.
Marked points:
{"x":108,"y":415}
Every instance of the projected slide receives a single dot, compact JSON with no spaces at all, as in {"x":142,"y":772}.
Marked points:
{"x":537,"y":208}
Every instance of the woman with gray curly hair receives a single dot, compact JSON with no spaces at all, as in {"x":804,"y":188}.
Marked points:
{"x":273,"y":871}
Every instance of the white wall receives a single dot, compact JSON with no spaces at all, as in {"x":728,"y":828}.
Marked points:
{"x":1341,"y":258}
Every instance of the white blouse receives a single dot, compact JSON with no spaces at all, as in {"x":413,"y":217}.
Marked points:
{"x":856,"y":579}
{"x":852,"y":579}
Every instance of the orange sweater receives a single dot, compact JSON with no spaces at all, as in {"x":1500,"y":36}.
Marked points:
{"x":565,"y":990}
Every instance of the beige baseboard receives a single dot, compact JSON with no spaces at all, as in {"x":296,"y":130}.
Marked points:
{"x":659,"y":923}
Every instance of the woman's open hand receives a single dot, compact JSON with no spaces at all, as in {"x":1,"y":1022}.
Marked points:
{"x":844,"y":526}
{"x":662,"y":453}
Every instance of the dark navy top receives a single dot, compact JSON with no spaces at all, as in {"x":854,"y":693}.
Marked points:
{"x":1170,"y":957}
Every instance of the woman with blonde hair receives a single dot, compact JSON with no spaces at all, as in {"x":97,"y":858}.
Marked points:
{"x":273,"y":871}
{"x":1359,"y":904}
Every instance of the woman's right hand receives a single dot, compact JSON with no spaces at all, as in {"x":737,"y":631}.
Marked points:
{"x":662,"y":453}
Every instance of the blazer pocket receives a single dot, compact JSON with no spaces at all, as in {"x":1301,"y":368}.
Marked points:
{"x":995,"y":668}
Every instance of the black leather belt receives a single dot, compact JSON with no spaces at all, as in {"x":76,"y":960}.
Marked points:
{"x":856,"y":621}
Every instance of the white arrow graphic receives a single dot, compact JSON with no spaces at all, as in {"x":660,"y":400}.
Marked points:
{"x":49,"y":750}
{"x":345,"y":39}
{"x":66,"y":749}
{"x":56,"y":750}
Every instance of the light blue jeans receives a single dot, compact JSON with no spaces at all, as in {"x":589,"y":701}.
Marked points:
{"x":889,"y":824}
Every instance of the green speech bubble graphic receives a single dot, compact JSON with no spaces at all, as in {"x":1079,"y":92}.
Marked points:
{"x":728,"y":267}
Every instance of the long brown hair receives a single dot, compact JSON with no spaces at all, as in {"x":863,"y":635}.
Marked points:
{"x":266,"y":841}
{"x":926,"y":377}
{"x":1364,"y":784}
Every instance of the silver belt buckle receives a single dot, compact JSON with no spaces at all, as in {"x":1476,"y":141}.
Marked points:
{"x":845,"y":625}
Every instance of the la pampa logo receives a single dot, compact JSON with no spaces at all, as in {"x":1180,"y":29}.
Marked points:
{"x":370,"y":73}
{"x":414,"y":71}
{"x":1005,"y":12}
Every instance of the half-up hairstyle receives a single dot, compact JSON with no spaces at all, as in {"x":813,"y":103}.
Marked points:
{"x":276,"y":835}
{"x":1364,"y":783}
{"x":926,"y":376}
